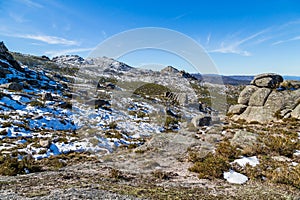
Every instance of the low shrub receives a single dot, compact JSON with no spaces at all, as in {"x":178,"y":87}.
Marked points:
{"x":11,"y":166}
{"x":211,"y":167}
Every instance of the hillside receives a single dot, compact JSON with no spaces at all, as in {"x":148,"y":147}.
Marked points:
{"x":100,"y":129}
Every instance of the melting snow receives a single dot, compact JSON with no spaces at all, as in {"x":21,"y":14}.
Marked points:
{"x":253,"y":161}
{"x":234,"y":177}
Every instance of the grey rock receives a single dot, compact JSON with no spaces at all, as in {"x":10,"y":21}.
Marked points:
{"x":4,"y":72}
{"x":256,"y":114}
{"x":47,"y":97}
{"x":13,"y":86}
{"x":44,"y":143}
{"x":268,"y":80}
{"x":244,"y":139}
{"x":246,"y":94}
{"x":259,"y":97}
{"x":201,"y":120}
{"x":169,"y":69}
{"x":286,"y":113}
{"x":237,"y":109}
{"x":277,"y":100}
{"x":296,"y":112}
{"x":5,"y":55}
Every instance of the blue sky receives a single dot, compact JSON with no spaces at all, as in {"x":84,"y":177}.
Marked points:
{"x":241,"y":37}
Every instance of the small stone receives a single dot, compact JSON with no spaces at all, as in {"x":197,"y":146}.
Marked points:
{"x":44,"y":143}
{"x":15,"y":86}
{"x":47,"y":97}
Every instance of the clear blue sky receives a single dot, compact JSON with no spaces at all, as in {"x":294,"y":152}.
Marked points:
{"x":242,"y":37}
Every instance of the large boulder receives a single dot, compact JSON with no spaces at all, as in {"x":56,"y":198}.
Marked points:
{"x":261,"y":102}
{"x":259,"y":97}
{"x":256,"y":114}
{"x":268,"y":80}
{"x":246,"y":94}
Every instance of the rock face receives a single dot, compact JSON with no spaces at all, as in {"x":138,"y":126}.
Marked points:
{"x":246,"y":94}
{"x":265,"y":100}
{"x":5,"y":55}
{"x":169,"y":69}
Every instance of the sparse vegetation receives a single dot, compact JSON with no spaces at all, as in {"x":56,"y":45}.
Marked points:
{"x":212,"y":166}
{"x":11,"y":166}
{"x":151,"y":89}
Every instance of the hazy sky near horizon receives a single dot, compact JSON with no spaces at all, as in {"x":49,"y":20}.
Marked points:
{"x":241,"y":37}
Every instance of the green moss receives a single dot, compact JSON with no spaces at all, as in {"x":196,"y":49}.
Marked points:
{"x":151,"y":89}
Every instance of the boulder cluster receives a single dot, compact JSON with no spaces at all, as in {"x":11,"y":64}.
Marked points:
{"x":267,"y":99}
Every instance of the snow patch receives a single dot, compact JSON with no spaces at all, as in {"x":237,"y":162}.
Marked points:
{"x":253,"y":161}
{"x":235,"y":177}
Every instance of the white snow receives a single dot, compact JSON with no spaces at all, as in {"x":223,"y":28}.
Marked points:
{"x":253,"y":161}
{"x":297,"y":153}
{"x":235,"y":177}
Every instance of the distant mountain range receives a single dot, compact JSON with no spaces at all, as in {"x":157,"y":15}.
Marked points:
{"x":234,"y":79}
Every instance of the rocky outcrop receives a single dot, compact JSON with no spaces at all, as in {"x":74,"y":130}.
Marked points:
{"x":7,"y":59}
{"x":169,"y":69}
{"x":15,"y":77}
{"x":265,"y":100}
